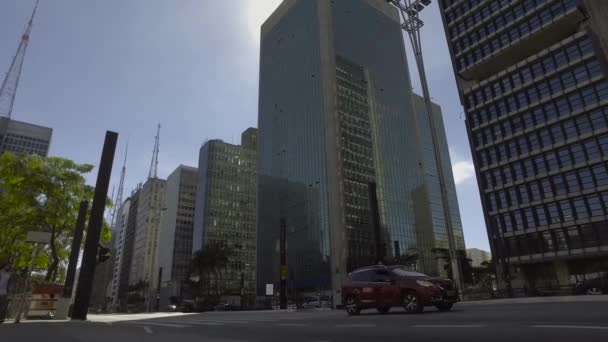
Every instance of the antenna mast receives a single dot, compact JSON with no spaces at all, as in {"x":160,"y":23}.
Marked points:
{"x":8,"y":91}
{"x":153,"y":173}
{"x":121,"y":185}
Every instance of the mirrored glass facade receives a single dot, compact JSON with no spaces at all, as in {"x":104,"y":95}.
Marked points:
{"x":340,"y":156}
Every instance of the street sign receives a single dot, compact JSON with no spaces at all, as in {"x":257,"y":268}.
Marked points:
{"x":269,"y":289}
{"x":38,"y":237}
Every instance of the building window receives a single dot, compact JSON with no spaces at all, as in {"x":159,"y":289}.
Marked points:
{"x":595,"y":206}
{"x":541,"y":216}
{"x":566,"y":209}
{"x":572,"y":181}
{"x":547,"y":188}
{"x":586,"y":179}
{"x":600,"y":174}
{"x":559,"y":185}
{"x":574,"y":238}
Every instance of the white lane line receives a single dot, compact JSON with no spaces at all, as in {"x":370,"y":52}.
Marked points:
{"x":448,"y":326}
{"x":597,"y":327}
{"x":213,"y":321}
{"x":148,"y":330}
{"x":356,"y":325}
{"x":159,"y":324}
{"x":292,"y":324}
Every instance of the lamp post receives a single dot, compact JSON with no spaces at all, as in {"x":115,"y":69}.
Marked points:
{"x":411,"y":23}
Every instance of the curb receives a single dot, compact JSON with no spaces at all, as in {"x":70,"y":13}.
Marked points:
{"x":538,"y":300}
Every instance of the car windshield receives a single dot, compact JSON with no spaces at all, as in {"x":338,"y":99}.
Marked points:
{"x":403,"y":272}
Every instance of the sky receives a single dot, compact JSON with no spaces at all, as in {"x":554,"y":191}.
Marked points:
{"x":190,"y":65}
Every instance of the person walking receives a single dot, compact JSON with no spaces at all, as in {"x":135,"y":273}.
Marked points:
{"x":6,"y":286}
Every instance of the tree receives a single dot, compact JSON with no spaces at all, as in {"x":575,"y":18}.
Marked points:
{"x":209,"y":263}
{"x":40,"y":194}
{"x":465,"y":263}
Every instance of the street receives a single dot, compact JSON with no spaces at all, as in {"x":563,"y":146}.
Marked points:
{"x":584,"y":321}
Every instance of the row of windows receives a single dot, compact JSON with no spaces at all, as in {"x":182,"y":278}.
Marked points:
{"x":539,"y":68}
{"x":540,"y":116}
{"x":563,"y":239}
{"x":467,"y":5}
{"x":585,"y":178}
{"x":516,"y":33}
{"x":565,"y":157}
{"x":564,"y":211}
{"x":495,"y":24}
{"x":550,"y":136}
{"x":543,"y":91}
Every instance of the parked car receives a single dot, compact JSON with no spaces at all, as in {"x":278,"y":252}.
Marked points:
{"x":595,"y":286}
{"x":383,"y":287}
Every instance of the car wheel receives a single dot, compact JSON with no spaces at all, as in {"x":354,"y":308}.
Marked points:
{"x":351,"y":306}
{"x":384,"y":310}
{"x":412,"y":303}
{"x":594,"y":291}
{"x":445,"y":306}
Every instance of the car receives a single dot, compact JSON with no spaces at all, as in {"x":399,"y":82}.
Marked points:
{"x":595,"y":286}
{"x":383,"y":287}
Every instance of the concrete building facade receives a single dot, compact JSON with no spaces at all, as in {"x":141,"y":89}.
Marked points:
{"x":144,"y":263}
{"x":17,"y":137}
{"x":177,"y":223}
{"x":478,"y":256}
{"x":533,"y":79}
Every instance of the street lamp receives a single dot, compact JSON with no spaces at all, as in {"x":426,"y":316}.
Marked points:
{"x":411,"y":23}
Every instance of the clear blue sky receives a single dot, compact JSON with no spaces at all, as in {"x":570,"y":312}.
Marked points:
{"x":192,"y":65}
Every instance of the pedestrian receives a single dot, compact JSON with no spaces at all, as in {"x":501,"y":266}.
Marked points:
{"x":6,"y":286}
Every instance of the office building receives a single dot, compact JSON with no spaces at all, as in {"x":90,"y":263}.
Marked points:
{"x":532,"y":77}
{"x":175,"y":245}
{"x":122,"y":220}
{"x":478,"y":256}
{"x":144,"y":262}
{"x":22,"y":137}
{"x":341,"y":164}
{"x":226,"y":210}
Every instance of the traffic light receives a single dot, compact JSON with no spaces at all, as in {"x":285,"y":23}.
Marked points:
{"x":104,"y":254}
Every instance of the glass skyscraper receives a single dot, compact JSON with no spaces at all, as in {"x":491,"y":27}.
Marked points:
{"x":225,"y":210}
{"x":340,"y":153}
{"x":532,"y":76}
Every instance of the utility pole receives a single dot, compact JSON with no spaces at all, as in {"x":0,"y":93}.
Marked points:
{"x":411,"y":23}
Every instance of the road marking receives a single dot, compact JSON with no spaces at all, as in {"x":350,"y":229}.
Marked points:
{"x":148,"y":330}
{"x":160,"y":324}
{"x":448,"y":326}
{"x":202,"y":323}
{"x":356,"y":325}
{"x":219,"y":321}
{"x":292,"y":324}
{"x":597,"y":327}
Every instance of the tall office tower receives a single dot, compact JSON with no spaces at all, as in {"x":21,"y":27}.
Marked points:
{"x":226,"y":209}
{"x":17,"y":136}
{"x":175,"y":245}
{"x":532,"y":77}
{"x":340,"y":162}
{"x":144,"y":264}
{"x":126,"y":256}
{"x":122,"y":221}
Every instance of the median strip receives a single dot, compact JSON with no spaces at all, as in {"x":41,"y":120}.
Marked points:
{"x":596,"y":327}
{"x":448,"y":326}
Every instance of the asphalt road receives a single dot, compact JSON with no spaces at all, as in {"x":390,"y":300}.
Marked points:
{"x":579,"y":322}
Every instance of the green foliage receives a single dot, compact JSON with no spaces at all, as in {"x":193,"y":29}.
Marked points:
{"x":208,"y":265}
{"x":465,"y":263}
{"x":39,"y":194}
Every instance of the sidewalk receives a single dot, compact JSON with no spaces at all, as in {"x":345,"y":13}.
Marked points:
{"x":111,"y":318}
{"x":538,"y":300}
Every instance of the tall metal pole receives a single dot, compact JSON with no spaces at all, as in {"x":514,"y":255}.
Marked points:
{"x":75,"y":251}
{"x":283,"y":256}
{"x":412,"y":25}
{"x":89,"y":258}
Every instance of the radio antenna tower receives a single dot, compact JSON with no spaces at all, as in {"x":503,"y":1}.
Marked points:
{"x":121,"y":184}
{"x":8,"y":91}
{"x":153,"y":173}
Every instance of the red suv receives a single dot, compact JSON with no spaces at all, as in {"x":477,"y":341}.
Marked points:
{"x":382,"y":287}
